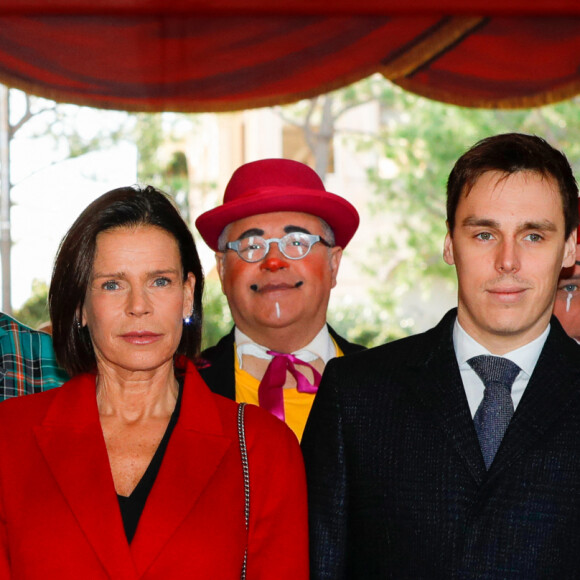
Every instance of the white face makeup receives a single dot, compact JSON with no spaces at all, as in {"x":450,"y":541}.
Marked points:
{"x":276,"y":292}
{"x":567,"y":305}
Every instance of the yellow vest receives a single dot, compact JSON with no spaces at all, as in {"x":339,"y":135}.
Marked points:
{"x":296,"y":405}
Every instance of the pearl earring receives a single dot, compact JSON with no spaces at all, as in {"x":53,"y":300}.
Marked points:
{"x":187,"y":319}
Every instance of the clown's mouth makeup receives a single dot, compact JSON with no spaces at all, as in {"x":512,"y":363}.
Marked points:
{"x":274,"y":287}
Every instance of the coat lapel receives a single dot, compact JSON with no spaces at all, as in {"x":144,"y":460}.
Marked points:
{"x":195,"y":451}
{"x":440,"y":388}
{"x":553,"y":386}
{"x":345,"y":346}
{"x":71,"y":440}
{"x":219,"y":368}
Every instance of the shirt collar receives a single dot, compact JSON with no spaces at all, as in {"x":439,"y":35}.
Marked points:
{"x":322,"y":346}
{"x":525,"y":357}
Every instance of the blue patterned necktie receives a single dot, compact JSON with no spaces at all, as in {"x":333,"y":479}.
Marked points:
{"x":495,"y":411}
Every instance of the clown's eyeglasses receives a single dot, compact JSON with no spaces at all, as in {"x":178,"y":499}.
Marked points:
{"x":294,"y":246}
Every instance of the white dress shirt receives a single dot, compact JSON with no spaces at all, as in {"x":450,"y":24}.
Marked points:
{"x":322,"y":346}
{"x":525,"y":357}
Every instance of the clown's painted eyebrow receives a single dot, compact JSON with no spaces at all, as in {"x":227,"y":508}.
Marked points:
{"x":251,"y":232}
{"x":291,"y":229}
{"x":258,"y":232}
{"x":573,"y":278}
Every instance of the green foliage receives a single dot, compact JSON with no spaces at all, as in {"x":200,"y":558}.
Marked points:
{"x":74,"y":131}
{"x":158,"y":165}
{"x":357,"y":323}
{"x":419,"y":142}
{"x":149,"y":138}
{"x":365,"y":325}
{"x":35,"y":310}
{"x":217,"y":319}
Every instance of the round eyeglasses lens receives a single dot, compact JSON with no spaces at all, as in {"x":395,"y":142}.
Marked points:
{"x":295,"y":245}
{"x":252,"y":249}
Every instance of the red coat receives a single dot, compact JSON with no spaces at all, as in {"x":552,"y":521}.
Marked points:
{"x":59,"y":516}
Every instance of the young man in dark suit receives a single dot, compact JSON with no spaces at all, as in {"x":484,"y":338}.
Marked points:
{"x":278,"y":238}
{"x":417,"y":465}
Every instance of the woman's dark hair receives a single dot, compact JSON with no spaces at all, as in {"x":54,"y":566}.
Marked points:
{"x":510,"y":153}
{"x":123,"y":207}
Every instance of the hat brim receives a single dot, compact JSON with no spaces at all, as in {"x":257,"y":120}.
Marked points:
{"x":340,"y":215}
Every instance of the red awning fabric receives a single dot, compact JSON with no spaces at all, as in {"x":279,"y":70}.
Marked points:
{"x":189,"y":55}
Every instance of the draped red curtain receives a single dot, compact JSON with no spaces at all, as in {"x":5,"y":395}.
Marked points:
{"x":188,"y":55}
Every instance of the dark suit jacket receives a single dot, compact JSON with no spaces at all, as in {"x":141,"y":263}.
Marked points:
{"x":59,"y":515}
{"x":397,"y":483}
{"x":219,"y":372}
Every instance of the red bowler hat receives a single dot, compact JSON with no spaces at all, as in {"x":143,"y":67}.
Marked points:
{"x":271,"y":185}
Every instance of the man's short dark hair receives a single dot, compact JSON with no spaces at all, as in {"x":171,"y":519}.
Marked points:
{"x":511,"y":153}
{"x":122,"y":207}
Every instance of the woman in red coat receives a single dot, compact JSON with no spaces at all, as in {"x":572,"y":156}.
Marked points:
{"x":134,"y":469}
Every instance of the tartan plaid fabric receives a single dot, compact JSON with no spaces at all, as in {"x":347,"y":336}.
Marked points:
{"x":27,"y":360}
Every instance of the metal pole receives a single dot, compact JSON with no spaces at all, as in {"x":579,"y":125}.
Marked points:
{"x":5,"y":241}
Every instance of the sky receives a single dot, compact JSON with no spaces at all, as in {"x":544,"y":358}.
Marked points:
{"x":47,"y":201}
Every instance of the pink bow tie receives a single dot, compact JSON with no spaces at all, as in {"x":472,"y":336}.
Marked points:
{"x":270,"y":391}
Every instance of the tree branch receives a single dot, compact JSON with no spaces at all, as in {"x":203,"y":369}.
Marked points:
{"x":280,"y":112}
{"x":354,"y":105}
{"x":28,"y":114}
{"x":40,"y":169}
{"x":307,"y":126}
